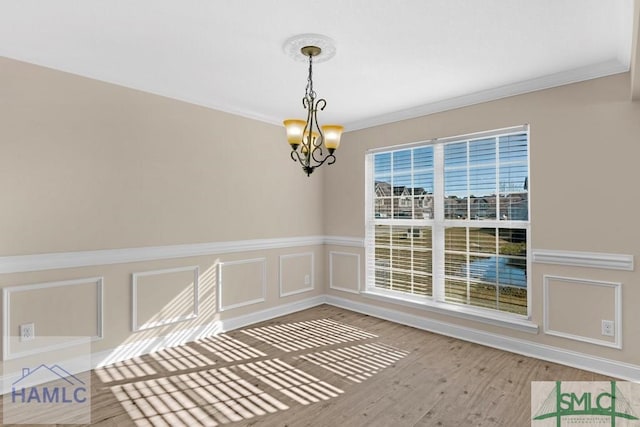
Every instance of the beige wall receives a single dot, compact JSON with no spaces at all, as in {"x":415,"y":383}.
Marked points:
{"x":87,"y":165}
{"x":584,"y":152}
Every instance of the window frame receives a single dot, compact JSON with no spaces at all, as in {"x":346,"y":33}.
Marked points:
{"x":436,"y":302}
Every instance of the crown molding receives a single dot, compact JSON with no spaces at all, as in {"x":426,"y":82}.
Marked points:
{"x":603,"y":69}
{"x":576,"y":75}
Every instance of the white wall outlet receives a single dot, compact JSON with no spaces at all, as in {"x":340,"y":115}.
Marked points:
{"x":27,"y":332}
{"x":608,"y":328}
{"x":307,"y":279}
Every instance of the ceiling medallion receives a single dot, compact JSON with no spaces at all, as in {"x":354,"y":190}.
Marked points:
{"x":293,"y":46}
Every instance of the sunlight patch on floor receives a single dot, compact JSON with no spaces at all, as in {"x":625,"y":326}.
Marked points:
{"x":357,"y":363}
{"x":211,"y":397}
{"x":229,"y":349}
{"x":127,"y":369}
{"x":308,"y":334}
{"x":292,"y":382}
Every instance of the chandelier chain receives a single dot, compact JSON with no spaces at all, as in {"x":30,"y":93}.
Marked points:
{"x":309,"y":92}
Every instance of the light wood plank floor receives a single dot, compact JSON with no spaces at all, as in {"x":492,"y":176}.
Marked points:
{"x":324,"y":367}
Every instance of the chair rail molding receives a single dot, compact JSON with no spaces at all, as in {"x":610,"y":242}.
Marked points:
{"x":608,"y":261}
{"x":61,"y":260}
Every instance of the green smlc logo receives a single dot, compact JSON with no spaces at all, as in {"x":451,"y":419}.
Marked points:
{"x":611,"y":404}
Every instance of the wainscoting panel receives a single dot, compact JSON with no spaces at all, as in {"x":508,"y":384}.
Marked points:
{"x":575,"y":308}
{"x":242,"y":283}
{"x":163,"y":297}
{"x":344,"y":271}
{"x":64,"y":314}
{"x":296,"y":273}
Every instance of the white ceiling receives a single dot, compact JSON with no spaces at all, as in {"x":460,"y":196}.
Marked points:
{"x":394,"y":59}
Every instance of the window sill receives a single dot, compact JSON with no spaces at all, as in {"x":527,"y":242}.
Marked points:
{"x":519,"y":323}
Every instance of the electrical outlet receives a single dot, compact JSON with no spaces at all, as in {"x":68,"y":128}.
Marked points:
{"x":307,"y":279}
{"x":608,"y":328}
{"x":27,"y":332}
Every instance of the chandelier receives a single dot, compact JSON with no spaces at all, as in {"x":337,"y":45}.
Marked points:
{"x":312,"y":145}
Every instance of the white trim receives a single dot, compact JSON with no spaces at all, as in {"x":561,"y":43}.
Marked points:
{"x":60,"y":260}
{"x":476,"y":314}
{"x":6,"y":318}
{"x":617,"y":308}
{"x":584,"y":259}
{"x":355,"y":242}
{"x":496,"y":133}
{"x":163,"y":322}
{"x":545,"y":82}
{"x":51,"y":261}
{"x":331,"y":282}
{"x":438,"y":233}
{"x":312,"y":277}
{"x":270,"y":313}
{"x":562,"y":356}
{"x":221,"y":265}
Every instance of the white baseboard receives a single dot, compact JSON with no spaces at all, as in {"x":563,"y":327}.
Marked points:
{"x":270,"y":313}
{"x":587,"y":362}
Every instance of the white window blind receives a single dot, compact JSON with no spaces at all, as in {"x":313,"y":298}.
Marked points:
{"x":449,"y":220}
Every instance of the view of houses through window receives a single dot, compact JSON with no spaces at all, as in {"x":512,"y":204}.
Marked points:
{"x":449,"y":220}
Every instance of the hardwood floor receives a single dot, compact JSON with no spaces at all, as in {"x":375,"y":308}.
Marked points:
{"x":323,"y":367}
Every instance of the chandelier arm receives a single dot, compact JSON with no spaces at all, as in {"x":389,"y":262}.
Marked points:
{"x":296,"y":155}
{"x":317,"y":150}
{"x":308,"y":131}
{"x":329,"y":160}
{"x":319,"y":141}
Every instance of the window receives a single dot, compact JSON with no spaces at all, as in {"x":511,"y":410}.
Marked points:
{"x":448,"y":221}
